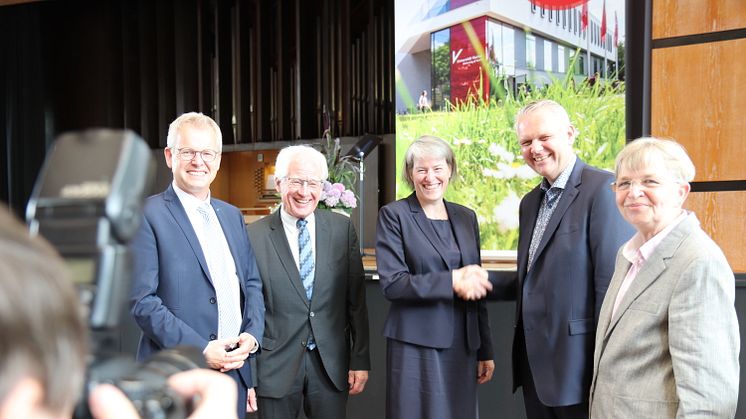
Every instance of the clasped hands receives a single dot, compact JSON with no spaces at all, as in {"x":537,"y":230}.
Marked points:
{"x":219,"y":355}
{"x":471,"y":282}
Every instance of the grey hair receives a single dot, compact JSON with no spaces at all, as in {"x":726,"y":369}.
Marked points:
{"x":197,"y":120}
{"x":427,"y":146}
{"x":289,"y":154}
{"x":643,"y":152}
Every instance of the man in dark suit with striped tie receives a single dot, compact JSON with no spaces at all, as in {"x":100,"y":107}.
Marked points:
{"x":315,"y":344}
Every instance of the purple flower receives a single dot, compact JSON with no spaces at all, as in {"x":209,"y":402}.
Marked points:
{"x":348,"y":199}
{"x":326,"y":186}
{"x":339,"y":187}
{"x":331,"y":201}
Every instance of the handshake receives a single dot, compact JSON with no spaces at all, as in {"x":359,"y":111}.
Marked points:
{"x":471,"y":282}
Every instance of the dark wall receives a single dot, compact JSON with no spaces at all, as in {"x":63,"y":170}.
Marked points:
{"x":266,"y":71}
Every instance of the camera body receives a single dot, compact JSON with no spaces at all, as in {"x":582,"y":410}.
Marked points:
{"x":87,"y":203}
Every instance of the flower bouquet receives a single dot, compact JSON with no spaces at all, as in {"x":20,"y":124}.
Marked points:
{"x":337,"y":196}
{"x":338,"y":190}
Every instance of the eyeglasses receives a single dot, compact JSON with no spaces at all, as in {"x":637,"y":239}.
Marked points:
{"x":297,"y":183}
{"x":626,"y":185}
{"x":187,"y":154}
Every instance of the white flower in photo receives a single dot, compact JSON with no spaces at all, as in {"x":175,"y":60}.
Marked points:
{"x":464,"y":141}
{"x":506,"y":213}
{"x":500,"y":151}
{"x":525,"y":172}
{"x":507,"y":171}
{"x":491,"y":173}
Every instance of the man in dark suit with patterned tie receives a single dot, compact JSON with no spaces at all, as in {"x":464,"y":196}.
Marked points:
{"x":195,"y":280}
{"x":570,"y":231}
{"x":315,"y":344}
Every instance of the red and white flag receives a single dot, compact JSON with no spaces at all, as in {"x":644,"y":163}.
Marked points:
{"x":603,"y":23}
{"x":584,"y":17}
{"x":616,"y":29}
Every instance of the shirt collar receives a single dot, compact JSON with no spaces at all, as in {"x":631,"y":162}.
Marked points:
{"x":189,"y":201}
{"x":561,"y":180}
{"x":637,"y":250}
{"x":289,"y":220}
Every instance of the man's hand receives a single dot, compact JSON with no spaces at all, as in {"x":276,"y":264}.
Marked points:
{"x":471,"y":282}
{"x":214,"y":394}
{"x":485,"y":370}
{"x":251,"y":405}
{"x":229,"y":353}
{"x":356,"y":381}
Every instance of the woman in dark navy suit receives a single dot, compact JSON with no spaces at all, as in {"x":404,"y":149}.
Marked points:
{"x":438,"y":345}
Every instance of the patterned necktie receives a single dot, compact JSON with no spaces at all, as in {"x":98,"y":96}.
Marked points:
{"x":545,"y":213}
{"x":305,"y":257}
{"x":226,"y":291}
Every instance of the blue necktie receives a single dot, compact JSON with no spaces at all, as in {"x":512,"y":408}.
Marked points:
{"x":305,"y":262}
{"x":305,"y":258}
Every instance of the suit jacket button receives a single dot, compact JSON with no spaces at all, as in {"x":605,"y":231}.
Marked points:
{"x":312,"y":314}
{"x":212,"y":336}
{"x":212,"y":300}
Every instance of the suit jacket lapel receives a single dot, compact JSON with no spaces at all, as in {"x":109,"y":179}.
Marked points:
{"x":323,"y":252}
{"x":465,"y":239}
{"x":427,"y":229}
{"x":652,"y":268}
{"x":182,"y":220}
{"x":621,"y":267}
{"x":568,"y":196}
{"x":528,"y":216}
{"x":280,"y":243}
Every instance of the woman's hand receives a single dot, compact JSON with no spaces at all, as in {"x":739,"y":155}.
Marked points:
{"x":471,"y":282}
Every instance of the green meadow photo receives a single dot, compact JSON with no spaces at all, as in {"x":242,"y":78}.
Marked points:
{"x":492,"y":176}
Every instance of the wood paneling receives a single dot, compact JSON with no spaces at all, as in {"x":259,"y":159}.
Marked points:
{"x":723,"y":217}
{"x":697,"y":98}
{"x":688,"y":17}
{"x":240,"y":180}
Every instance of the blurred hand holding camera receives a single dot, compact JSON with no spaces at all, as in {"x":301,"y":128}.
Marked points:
{"x":214,"y":395}
{"x":471,"y":282}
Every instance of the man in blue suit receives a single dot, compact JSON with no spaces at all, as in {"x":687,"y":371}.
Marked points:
{"x":195,"y":276}
{"x":570,"y":231}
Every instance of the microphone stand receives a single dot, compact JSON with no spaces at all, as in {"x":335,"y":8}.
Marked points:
{"x":361,"y":158}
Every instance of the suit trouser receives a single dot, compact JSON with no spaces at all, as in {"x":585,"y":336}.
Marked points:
{"x":312,"y":389}
{"x":535,"y":409}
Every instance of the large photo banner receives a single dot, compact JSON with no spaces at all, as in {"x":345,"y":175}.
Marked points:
{"x":477,"y":66}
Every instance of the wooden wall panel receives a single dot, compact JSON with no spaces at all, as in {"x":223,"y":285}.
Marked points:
{"x":240,"y":180}
{"x":688,"y":17}
{"x":723,"y":217}
{"x":697,"y":98}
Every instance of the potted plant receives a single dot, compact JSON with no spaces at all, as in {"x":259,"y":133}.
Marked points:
{"x":338,"y":192}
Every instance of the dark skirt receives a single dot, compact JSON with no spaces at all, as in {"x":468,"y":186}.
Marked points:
{"x":431,"y":383}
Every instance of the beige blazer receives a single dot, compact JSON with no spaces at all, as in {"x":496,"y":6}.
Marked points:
{"x":671,"y":350}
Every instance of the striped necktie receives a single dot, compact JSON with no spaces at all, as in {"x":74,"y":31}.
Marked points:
{"x":227,"y":292}
{"x":305,"y":258}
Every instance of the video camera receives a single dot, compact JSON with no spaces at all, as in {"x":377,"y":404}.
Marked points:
{"x":87,"y":203}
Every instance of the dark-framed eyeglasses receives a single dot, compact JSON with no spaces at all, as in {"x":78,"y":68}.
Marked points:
{"x":297,"y":183}
{"x":187,"y":154}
